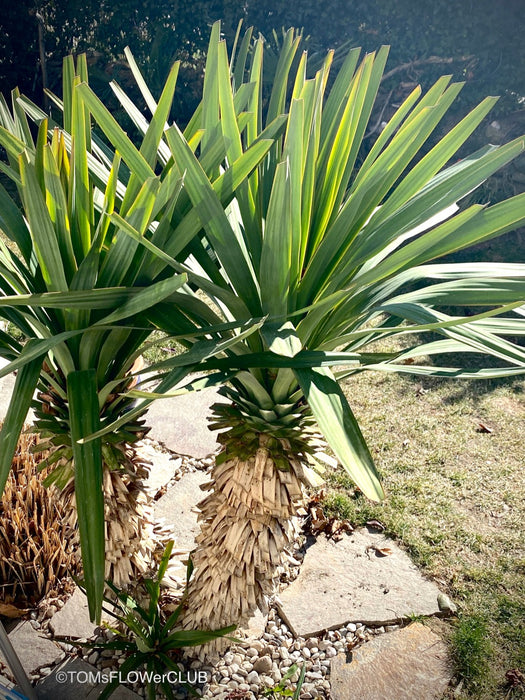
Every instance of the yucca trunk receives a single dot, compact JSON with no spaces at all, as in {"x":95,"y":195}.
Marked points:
{"x":128,"y":520}
{"x":128,"y":513}
{"x":247,"y":525}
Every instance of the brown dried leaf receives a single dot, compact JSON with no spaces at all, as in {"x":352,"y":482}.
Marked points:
{"x":376,"y":525}
{"x":381,"y":551}
{"x":11,"y":611}
{"x":515,"y":677}
{"x":483,"y":428}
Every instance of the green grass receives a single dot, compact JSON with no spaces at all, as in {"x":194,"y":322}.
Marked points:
{"x":160,"y":347}
{"x":456,"y":502}
{"x":472,"y":648}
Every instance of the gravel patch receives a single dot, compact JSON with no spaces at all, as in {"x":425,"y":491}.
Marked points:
{"x":247,"y":669}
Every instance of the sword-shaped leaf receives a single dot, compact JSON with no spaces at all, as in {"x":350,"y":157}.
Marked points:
{"x":85,"y":420}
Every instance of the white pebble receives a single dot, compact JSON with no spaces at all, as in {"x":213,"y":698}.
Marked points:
{"x":252,"y":677}
{"x":314,"y":675}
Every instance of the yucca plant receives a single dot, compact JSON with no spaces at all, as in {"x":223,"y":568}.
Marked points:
{"x":85,"y":296}
{"x":307,"y":262}
{"x":333,"y":257}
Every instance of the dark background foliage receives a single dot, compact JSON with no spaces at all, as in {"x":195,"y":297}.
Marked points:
{"x":478,"y":41}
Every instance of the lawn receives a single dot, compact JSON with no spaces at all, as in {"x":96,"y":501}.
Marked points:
{"x":451,"y":455}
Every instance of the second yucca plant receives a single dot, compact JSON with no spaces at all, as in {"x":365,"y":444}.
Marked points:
{"x":333,"y":257}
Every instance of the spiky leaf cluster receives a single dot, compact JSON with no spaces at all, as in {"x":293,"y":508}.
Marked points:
{"x":38,"y":547}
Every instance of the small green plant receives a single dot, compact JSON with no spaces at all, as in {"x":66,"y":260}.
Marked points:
{"x":281,"y":691}
{"x":472,"y":648}
{"x":149,"y":637}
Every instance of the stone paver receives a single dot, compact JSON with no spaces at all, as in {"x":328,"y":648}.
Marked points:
{"x":256,"y":625}
{"x":350,"y":581}
{"x":7,"y":384}
{"x":162,"y":468}
{"x":181,"y":423}
{"x":33,"y":649}
{"x":77,"y":679}
{"x":177,"y":508}
{"x":177,"y":512}
{"x":409,"y":664}
{"x":73,"y":619}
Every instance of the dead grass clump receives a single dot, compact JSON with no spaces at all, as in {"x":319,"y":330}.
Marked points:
{"x":37,"y":546}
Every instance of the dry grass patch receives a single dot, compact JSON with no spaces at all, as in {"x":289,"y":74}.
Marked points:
{"x":38,"y":549}
{"x":451,"y":454}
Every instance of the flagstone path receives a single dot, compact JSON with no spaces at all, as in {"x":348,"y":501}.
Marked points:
{"x":363,"y":578}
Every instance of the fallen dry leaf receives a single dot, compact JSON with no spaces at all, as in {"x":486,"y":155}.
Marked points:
{"x":317,"y":522}
{"x":8,"y":610}
{"x":376,"y":525}
{"x":483,"y":428}
{"x":380,"y":551}
{"x":515,"y":677}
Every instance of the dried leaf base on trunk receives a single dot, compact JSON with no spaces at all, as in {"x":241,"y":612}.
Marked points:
{"x":129,"y":517}
{"x":246,"y":529}
{"x":129,"y":521}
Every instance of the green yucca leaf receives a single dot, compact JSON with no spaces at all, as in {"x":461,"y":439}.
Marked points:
{"x":117,"y":136}
{"x":337,"y":423}
{"x":276,"y":254}
{"x":25,"y":385}
{"x":42,"y":230}
{"x":84,"y":420}
{"x":37,"y":349}
{"x":214,"y":220}
{"x":13,"y":225}
{"x":148,"y":296}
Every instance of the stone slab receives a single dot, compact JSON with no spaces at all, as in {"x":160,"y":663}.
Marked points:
{"x":177,"y":508}
{"x":77,"y":679}
{"x":32,"y":648}
{"x":177,"y":512}
{"x":350,"y":581}
{"x":73,"y":619}
{"x":256,"y":626}
{"x":162,"y":468}
{"x":181,"y":423}
{"x":7,"y":385}
{"x":408,"y":664}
